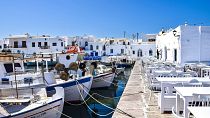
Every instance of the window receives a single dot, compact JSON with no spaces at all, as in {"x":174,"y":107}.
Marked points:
{"x":54,"y":44}
{"x":0,"y":46}
{"x":15,"y":44}
{"x":139,"y":53}
{"x":122,"y":51}
{"x":45,"y":43}
{"x":97,"y":47}
{"x":86,"y":43}
{"x":91,"y":47}
{"x":67,"y":57}
{"x":133,"y":52}
{"x":175,"y":54}
{"x":24,"y":44}
{"x":111,"y":51}
{"x":104,"y":47}
{"x":150,"y":52}
{"x":5,"y":45}
{"x":39,"y":44}
{"x":9,"y":67}
{"x":33,"y":44}
{"x":123,"y":42}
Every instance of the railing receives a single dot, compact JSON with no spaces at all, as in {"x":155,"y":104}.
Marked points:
{"x":15,"y":47}
{"x":45,"y":47}
{"x":26,"y":82}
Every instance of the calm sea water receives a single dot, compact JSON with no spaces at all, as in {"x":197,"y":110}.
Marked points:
{"x":109,"y":96}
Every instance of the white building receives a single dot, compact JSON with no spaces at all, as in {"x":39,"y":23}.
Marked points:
{"x":34,"y":44}
{"x":184,"y":44}
{"x":118,"y":47}
{"x":143,"y":49}
{"x":82,"y":41}
{"x":96,"y":47}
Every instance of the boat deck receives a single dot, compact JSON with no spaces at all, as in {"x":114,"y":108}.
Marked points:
{"x":137,"y":100}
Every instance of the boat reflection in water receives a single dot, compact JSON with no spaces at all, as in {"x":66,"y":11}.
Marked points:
{"x":108,"y":96}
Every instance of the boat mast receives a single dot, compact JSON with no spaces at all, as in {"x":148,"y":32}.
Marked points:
{"x":13,"y":59}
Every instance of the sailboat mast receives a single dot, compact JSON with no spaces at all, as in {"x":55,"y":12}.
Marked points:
{"x":13,"y":59}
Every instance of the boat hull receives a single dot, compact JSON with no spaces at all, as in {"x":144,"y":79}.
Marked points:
{"x":49,"y":110}
{"x":74,"y":91}
{"x":103,"y":80}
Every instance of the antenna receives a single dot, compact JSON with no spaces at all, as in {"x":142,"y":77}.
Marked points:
{"x":124,"y":33}
{"x":137,"y":36}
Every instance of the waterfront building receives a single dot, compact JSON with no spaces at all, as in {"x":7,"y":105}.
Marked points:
{"x":119,"y":46}
{"x":144,"y":48}
{"x":28,"y":44}
{"x":184,"y":44}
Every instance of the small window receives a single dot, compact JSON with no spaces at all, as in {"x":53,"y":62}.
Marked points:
{"x":54,"y":44}
{"x":86,"y":43}
{"x":33,"y":44}
{"x":39,"y":44}
{"x":97,"y":47}
{"x":122,"y":51}
{"x":15,"y":44}
{"x":24,"y":44}
{"x":133,"y":52}
{"x":91,"y":47}
{"x":111,"y":50}
{"x":104,"y":47}
{"x":68,"y":57}
{"x":62,"y":44}
{"x":150,"y":52}
{"x":45,"y":43}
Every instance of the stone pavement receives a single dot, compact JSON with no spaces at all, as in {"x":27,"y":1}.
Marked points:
{"x":137,"y":101}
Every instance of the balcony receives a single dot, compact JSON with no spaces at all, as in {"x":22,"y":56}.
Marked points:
{"x":44,"y":47}
{"x":15,"y":46}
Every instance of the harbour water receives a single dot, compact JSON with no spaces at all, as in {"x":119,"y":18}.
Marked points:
{"x":109,"y":97}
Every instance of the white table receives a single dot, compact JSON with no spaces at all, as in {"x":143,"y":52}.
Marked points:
{"x":167,"y":100}
{"x":200,"y":112}
{"x":186,"y":93}
{"x":181,"y":79}
{"x":167,"y":71}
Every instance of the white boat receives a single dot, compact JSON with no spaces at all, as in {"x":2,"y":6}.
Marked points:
{"x":22,"y":94}
{"x":76,"y":86}
{"x":75,"y":89}
{"x":103,"y":77}
{"x":120,"y":70}
{"x":31,"y":102}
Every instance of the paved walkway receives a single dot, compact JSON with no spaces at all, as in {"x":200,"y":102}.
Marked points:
{"x":137,"y":101}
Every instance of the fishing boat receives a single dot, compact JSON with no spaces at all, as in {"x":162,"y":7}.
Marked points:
{"x":76,"y":84}
{"x":102,"y":76}
{"x":31,"y":102}
{"x":22,"y":94}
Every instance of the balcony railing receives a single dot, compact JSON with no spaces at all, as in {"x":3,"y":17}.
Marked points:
{"x":15,"y":46}
{"x":45,"y":47}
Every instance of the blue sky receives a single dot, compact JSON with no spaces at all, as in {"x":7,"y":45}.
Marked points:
{"x":102,"y":18}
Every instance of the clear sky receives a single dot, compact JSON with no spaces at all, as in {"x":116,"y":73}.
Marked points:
{"x":102,"y":18}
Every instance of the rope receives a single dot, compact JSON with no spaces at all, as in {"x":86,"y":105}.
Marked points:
{"x":79,"y":103}
{"x":121,"y":111}
{"x":106,"y":96}
{"x":89,"y":107}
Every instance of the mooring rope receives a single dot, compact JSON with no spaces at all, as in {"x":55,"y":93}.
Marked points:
{"x":97,"y":101}
{"x":121,"y":111}
{"x":78,"y":103}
